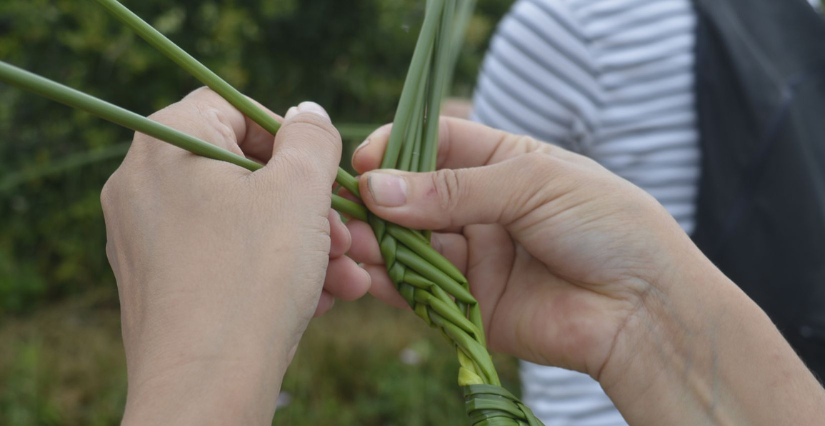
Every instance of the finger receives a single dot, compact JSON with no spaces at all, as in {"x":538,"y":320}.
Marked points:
{"x":493,"y":254}
{"x":340,"y":239}
{"x":453,"y":247}
{"x":202,"y":114}
{"x":462,"y":144}
{"x":499,"y":193}
{"x":343,"y":193}
{"x":364,"y":248}
{"x":258,"y":143}
{"x":368,"y":155}
{"x":325,"y":303}
{"x":346,"y":280}
{"x":307,"y":149}
{"x":383,"y":289}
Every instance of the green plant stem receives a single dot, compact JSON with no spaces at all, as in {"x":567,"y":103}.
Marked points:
{"x":191,"y":65}
{"x":464,"y":14}
{"x":348,"y":131}
{"x":76,"y":99}
{"x":79,"y":100}
{"x":195,"y":68}
{"x":403,"y":115}
{"x":438,"y":79}
{"x":415,"y":127}
{"x":348,"y":182}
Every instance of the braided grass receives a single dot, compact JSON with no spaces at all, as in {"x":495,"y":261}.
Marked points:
{"x":435,"y":289}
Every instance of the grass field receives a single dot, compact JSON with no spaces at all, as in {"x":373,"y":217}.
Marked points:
{"x":362,"y":364}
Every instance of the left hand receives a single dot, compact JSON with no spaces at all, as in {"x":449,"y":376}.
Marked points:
{"x":219,"y":270}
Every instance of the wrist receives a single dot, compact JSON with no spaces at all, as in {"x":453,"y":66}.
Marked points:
{"x":664,"y":362}
{"x":187,"y":362}
{"x":206,"y":392}
{"x":700,"y":351}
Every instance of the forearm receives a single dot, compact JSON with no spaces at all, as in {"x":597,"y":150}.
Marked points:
{"x":701,"y":352}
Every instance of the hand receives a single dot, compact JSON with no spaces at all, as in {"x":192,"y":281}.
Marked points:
{"x":575,"y":267}
{"x":219,"y":270}
{"x":559,"y":252}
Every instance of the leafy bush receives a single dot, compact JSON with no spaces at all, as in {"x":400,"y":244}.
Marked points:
{"x":349,"y":56}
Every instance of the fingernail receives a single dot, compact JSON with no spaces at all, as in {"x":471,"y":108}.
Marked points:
{"x":313,"y":108}
{"x":292,"y":112}
{"x":387,"y":190}
{"x":363,"y":144}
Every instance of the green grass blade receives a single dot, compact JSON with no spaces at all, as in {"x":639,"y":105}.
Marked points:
{"x":415,"y":127}
{"x":195,"y":68}
{"x":403,"y":115}
{"x":79,"y":100}
{"x":349,"y":208}
{"x":421,"y":248}
{"x":464,"y":13}
{"x":430,"y":272}
{"x":191,"y":65}
{"x":348,"y":182}
{"x":440,"y":68}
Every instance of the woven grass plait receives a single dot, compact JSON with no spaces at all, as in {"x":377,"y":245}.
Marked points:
{"x":436,"y":290}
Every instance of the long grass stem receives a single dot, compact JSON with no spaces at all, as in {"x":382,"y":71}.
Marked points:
{"x":195,"y":68}
{"x":403,"y":114}
{"x":437,"y":86}
{"x":57,"y":92}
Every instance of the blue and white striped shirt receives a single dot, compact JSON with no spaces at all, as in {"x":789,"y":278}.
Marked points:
{"x":613,"y":80}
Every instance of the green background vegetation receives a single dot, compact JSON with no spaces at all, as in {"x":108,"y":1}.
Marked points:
{"x":61,"y":360}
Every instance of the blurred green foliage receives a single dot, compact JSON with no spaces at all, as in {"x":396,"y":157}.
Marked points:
{"x":65,"y":366}
{"x":350,"y":56}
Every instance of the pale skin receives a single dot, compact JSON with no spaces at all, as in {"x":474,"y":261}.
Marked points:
{"x":220,"y":270}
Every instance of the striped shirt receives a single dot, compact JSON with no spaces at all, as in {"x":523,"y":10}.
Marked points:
{"x":613,"y":80}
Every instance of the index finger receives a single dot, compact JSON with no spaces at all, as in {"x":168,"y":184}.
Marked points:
{"x":462,"y":144}
{"x":207,"y":116}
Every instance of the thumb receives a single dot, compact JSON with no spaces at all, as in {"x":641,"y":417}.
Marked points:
{"x":307,"y":147}
{"x":499,"y":193}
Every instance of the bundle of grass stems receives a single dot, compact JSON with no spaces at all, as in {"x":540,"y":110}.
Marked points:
{"x":433,"y":287}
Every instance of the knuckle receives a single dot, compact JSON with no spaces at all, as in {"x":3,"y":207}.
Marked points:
{"x":219,"y":122}
{"x":106,"y":194}
{"x":200,"y":91}
{"x":540,"y":170}
{"x":527,"y":145}
{"x":536,"y":162}
{"x":511,"y":145}
{"x":448,"y":187}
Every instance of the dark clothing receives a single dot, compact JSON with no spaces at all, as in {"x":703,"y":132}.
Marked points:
{"x":760,"y":68}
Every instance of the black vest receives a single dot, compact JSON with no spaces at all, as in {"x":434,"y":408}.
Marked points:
{"x":760,"y":67}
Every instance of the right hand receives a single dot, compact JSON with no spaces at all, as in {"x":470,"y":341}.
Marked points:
{"x":564,"y":257}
